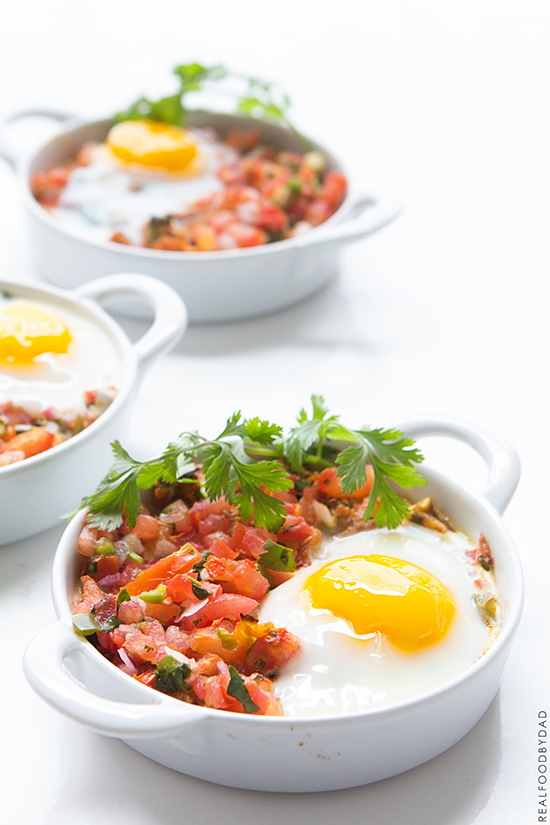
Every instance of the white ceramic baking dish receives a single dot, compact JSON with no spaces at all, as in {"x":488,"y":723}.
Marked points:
{"x":36,"y":491}
{"x":284,"y":753}
{"x":216,"y":286}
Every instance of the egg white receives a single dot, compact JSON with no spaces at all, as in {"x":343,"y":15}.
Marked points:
{"x":109,"y":196}
{"x":60,"y":379}
{"x":339,"y":672}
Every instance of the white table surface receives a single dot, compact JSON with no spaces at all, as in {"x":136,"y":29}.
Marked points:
{"x":444,"y":105}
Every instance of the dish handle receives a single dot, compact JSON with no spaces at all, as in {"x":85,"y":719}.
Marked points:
{"x":170,"y":313}
{"x":43,"y":665}
{"x":369,"y":214}
{"x":7,"y":152}
{"x":501,"y":458}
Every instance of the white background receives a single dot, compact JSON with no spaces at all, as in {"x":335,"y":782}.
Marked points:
{"x":444,"y":105}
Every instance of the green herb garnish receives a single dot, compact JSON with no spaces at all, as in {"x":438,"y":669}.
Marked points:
{"x":277,"y":557}
{"x":123,"y":596}
{"x":251,"y":459}
{"x":239,"y":691}
{"x":253,"y":97}
{"x":171,"y":675}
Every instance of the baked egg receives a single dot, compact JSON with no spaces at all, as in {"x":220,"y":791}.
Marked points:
{"x":50,"y":355}
{"x":144,"y":168}
{"x":383,"y":617}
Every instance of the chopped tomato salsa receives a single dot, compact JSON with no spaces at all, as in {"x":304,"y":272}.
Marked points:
{"x":24,"y":434}
{"x":257,"y":195}
{"x":173,"y":601}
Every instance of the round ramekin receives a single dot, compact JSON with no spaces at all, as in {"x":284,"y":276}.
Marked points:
{"x":225,"y":285}
{"x":291,"y":754}
{"x":36,"y":491}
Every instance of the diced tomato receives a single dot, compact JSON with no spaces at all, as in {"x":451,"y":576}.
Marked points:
{"x":147,"y":677}
{"x":242,"y":576}
{"x":294,"y":528}
{"x":179,"y":562}
{"x":87,"y":541}
{"x":230,"y":174}
{"x":207,"y":665}
{"x":243,"y":141}
{"x":30,"y":442}
{"x":129,"y":572}
{"x":90,"y":590}
{"x":48,"y":186}
{"x":272,"y":217}
{"x":145,"y":647}
{"x":106,"y":609}
{"x":170,"y":242}
{"x":330,"y":484}
{"x":318,"y":212}
{"x":271,"y":653}
{"x":249,"y":581}
{"x":220,"y":569}
{"x":147,"y":527}
{"x":245,"y":235}
{"x":178,"y":588}
{"x":221,"y":220}
{"x":106,"y":566}
{"x":205,"y":237}
{"x":334,"y":188}
{"x":178,"y":516}
{"x":250,"y":540}
{"x":207,"y":640}
{"x":163,"y":613}
{"x":225,"y":606}
{"x":209,"y":690}
{"x":214,"y":523}
{"x":220,"y":545}
{"x":261,"y":694}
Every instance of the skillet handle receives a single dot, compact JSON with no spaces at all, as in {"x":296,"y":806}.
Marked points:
{"x":170,"y":313}
{"x":500,"y":457}
{"x":43,"y":665}
{"x":6,"y":151}
{"x":371,"y":214}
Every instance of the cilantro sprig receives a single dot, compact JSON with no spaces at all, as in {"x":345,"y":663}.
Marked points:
{"x":251,"y":459}
{"x":391,"y":454}
{"x":253,"y":97}
{"x":228,"y":471}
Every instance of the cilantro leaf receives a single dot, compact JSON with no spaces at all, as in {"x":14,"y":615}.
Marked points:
{"x":309,"y":432}
{"x":172,"y":675}
{"x":392,"y":456}
{"x":116,"y":493}
{"x":167,"y":110}
{"x":262,"y":432}
{"x":277,"y":557}
{"x":234,"y":426}
{"x":239,"y":691}
{"x":260,"y":99}
{"x":246,"y":465}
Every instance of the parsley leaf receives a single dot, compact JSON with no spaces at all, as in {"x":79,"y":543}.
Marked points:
{"x":239,"y":691}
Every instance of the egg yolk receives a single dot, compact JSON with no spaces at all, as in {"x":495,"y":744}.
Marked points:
{"x":405,"y":603}
{"x":150,"y":143}
{"x":28,"y":330}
